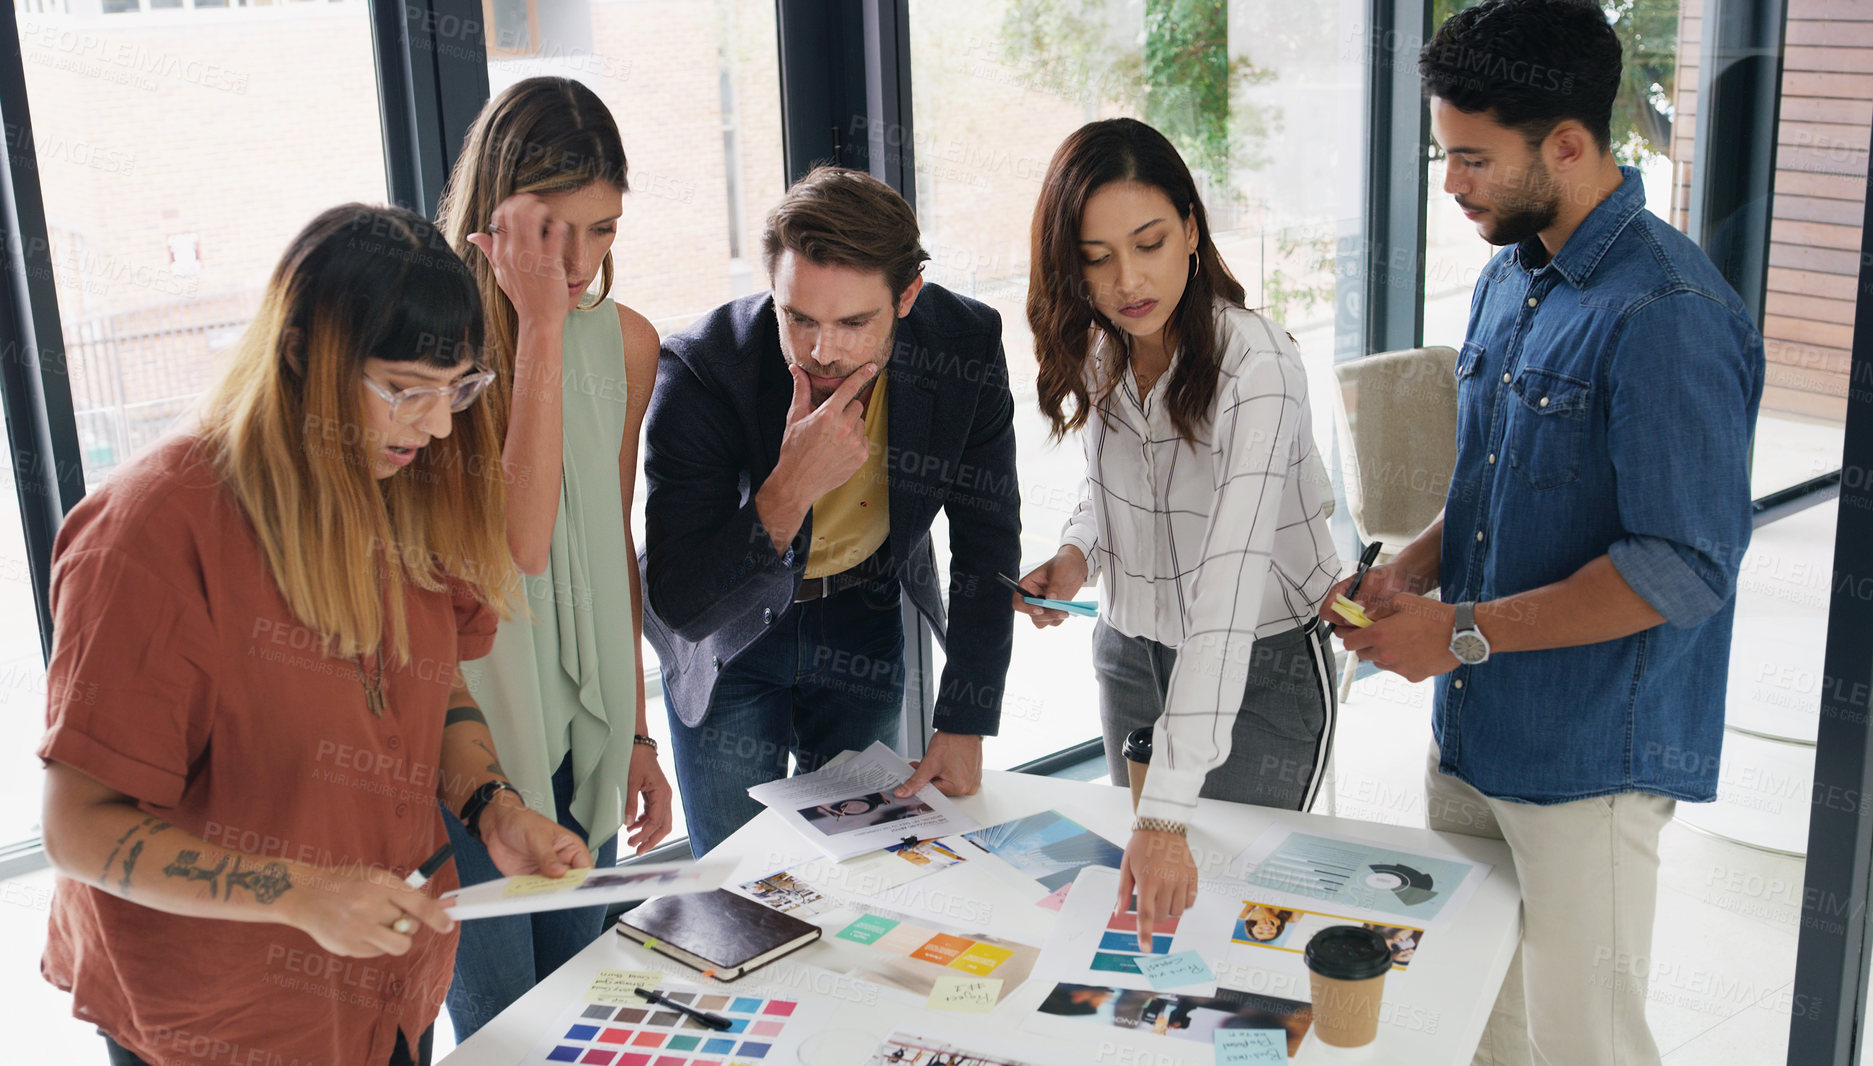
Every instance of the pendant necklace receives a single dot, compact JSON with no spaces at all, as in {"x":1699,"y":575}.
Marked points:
{"x":373,"y":687}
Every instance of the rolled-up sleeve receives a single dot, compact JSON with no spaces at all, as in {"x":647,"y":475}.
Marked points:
{"x":128,"y":701}
{"x":1684,"y":382}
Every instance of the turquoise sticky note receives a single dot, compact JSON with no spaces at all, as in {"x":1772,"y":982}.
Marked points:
{"x":1175,"y":971}
{"x":1251,"y":1047}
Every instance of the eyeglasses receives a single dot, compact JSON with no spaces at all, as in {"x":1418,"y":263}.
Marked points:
{"x":409,"y":406}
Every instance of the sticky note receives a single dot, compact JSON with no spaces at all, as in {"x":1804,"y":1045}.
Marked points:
{"x":1175,"y":971}
{"x":534,"y":886}
{"x":1251,"y":1047}
{"x":614,"y":986}
{"x":970,"y":995}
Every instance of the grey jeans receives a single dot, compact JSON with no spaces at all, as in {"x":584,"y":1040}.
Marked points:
{"x":1283,"y":730}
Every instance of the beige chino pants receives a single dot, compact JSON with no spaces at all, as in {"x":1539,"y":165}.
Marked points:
{"x":1576,"y":990}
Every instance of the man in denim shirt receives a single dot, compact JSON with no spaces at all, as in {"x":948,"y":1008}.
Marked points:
{"x":1587,"y":554}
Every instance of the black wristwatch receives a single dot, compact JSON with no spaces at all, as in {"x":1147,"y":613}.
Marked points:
{"x":471,"y":811}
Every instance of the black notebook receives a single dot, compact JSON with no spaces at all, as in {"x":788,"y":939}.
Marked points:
{"x":718,"y":932}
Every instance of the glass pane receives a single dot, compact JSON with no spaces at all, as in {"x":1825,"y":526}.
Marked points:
{"x":695,"y":90}
{"x":177,"y":155}
{"x":22,"y":674}
{"x":1265,"y":102}
{"x":163,"y":232}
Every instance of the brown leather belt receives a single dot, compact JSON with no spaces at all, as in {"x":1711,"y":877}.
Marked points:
{"x":814,"y":588}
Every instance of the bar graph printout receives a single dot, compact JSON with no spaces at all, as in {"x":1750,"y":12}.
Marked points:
{"x":1362,"y":874}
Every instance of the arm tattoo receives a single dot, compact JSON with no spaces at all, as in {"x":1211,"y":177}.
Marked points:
{"x":184,"y":866}
{"x":494,"y":762}
{"x":267,"y":883}
{"x":463,"y":714}
{"x":130,"y":863}
{"x":149,"y":826}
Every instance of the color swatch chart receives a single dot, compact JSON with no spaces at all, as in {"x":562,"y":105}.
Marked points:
{"x":762,"y":1031}
{"x":927,"y":945}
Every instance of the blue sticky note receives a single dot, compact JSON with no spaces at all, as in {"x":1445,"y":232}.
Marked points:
{"x":1251,"y":1047}
{"x":1175,"y":971}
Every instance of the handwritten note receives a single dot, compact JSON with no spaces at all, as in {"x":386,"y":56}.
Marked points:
{"x":1175,"y":971}
{"x":1251,"y":1047}
{"x":970,"y":995}
{"x":614,"y":986}
{"x":534,"y":885}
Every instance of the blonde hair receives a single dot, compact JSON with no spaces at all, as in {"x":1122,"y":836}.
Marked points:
{"x":285,"y":427}
{"x":540,"y":135}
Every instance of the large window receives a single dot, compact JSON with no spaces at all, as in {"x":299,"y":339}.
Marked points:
{"x":178,"y":153}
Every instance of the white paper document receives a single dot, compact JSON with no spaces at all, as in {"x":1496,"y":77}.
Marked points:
{"x":848,"y":808}
{"x":1094,"y":944}
{"x":1424,"y":890}
{"x":583,"y":888}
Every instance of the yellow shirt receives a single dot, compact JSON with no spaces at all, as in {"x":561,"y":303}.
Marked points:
{"x":851,"y":521}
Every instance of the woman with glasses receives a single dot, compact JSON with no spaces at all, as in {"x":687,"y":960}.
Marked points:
{"x":259,"y":622}
{"x":537,"y":192}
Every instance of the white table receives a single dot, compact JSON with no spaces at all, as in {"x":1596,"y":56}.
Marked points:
{"x":1434,"y":1017}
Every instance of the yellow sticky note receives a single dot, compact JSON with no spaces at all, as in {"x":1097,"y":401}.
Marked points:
{"x":534,"y":886}
{"x":614,"y":987}
{"x":981,"y":958}
{"x":1351,"y":611}
{"x":970,"y":995}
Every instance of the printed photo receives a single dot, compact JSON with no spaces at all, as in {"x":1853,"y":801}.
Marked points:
{"x":1049,"y":847}
{"x":1264,"y":925}
{"x":1196,"y":1018}
{"x":862,"y":812}
{"x":787,"y":894}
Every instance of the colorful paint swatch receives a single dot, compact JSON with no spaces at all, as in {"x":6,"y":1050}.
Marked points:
{"x":867,"y":929}
{"x":761,"y":1030}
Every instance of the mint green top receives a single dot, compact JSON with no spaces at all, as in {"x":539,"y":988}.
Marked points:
{"x":565,"y":679}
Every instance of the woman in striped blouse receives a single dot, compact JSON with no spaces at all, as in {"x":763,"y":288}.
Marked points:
{"x":1201,"y":509}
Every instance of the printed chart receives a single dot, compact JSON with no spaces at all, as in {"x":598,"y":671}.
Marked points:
{"x":1359,"y":874}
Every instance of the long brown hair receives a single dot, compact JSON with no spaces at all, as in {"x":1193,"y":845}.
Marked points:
{"x":1060,"y":310}
{"x":541,"y":135}
{"x":285,"y":427}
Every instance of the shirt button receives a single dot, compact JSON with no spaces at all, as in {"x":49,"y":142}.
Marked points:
{"x":1456,"y":684}
{"x":1479,"y":536}
{"x":392,"y":743}
{"x":1505,"y":379}
{"x":1544,"y":401}
{"x":1492,"y":458}
{"x":1532,"y":301}
{"x":403,"y":809}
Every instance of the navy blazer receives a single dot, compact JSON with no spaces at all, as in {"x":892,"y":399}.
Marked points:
{"x":713,"y":581}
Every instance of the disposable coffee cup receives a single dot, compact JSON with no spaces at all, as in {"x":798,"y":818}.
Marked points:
{"x":1346,"y":966}
{"x":1137,"y":753}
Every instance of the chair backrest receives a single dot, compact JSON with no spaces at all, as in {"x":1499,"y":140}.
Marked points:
{"x":1397,"y":421}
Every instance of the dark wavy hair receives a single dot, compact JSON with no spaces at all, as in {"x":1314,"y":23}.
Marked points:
{"x":1534,"y":63}
{"x":1060,"y":310}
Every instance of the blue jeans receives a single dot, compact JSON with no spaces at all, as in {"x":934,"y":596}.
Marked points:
{"x":500,"y":959}
{"x":828,"y":676}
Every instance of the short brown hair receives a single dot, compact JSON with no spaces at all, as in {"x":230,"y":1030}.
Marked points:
{"x":848,"y":217}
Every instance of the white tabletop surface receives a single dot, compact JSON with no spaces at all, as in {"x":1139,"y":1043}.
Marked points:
{"x":1432,"y":1016}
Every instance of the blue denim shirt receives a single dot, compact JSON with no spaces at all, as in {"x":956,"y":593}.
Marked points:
{"x":1605,"y":405}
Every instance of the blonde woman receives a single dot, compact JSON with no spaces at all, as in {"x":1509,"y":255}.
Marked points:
{"x":537,"y":192}
{"x":258,"y":626}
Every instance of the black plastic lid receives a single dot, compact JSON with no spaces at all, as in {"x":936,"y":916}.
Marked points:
{"x":1138,"y":745}
{"x":1348,"y":953}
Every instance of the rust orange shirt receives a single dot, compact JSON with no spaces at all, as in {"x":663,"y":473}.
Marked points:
{"x":179,"y":677}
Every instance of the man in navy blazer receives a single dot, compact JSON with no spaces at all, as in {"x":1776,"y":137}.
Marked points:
{"x":797,"y":448}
